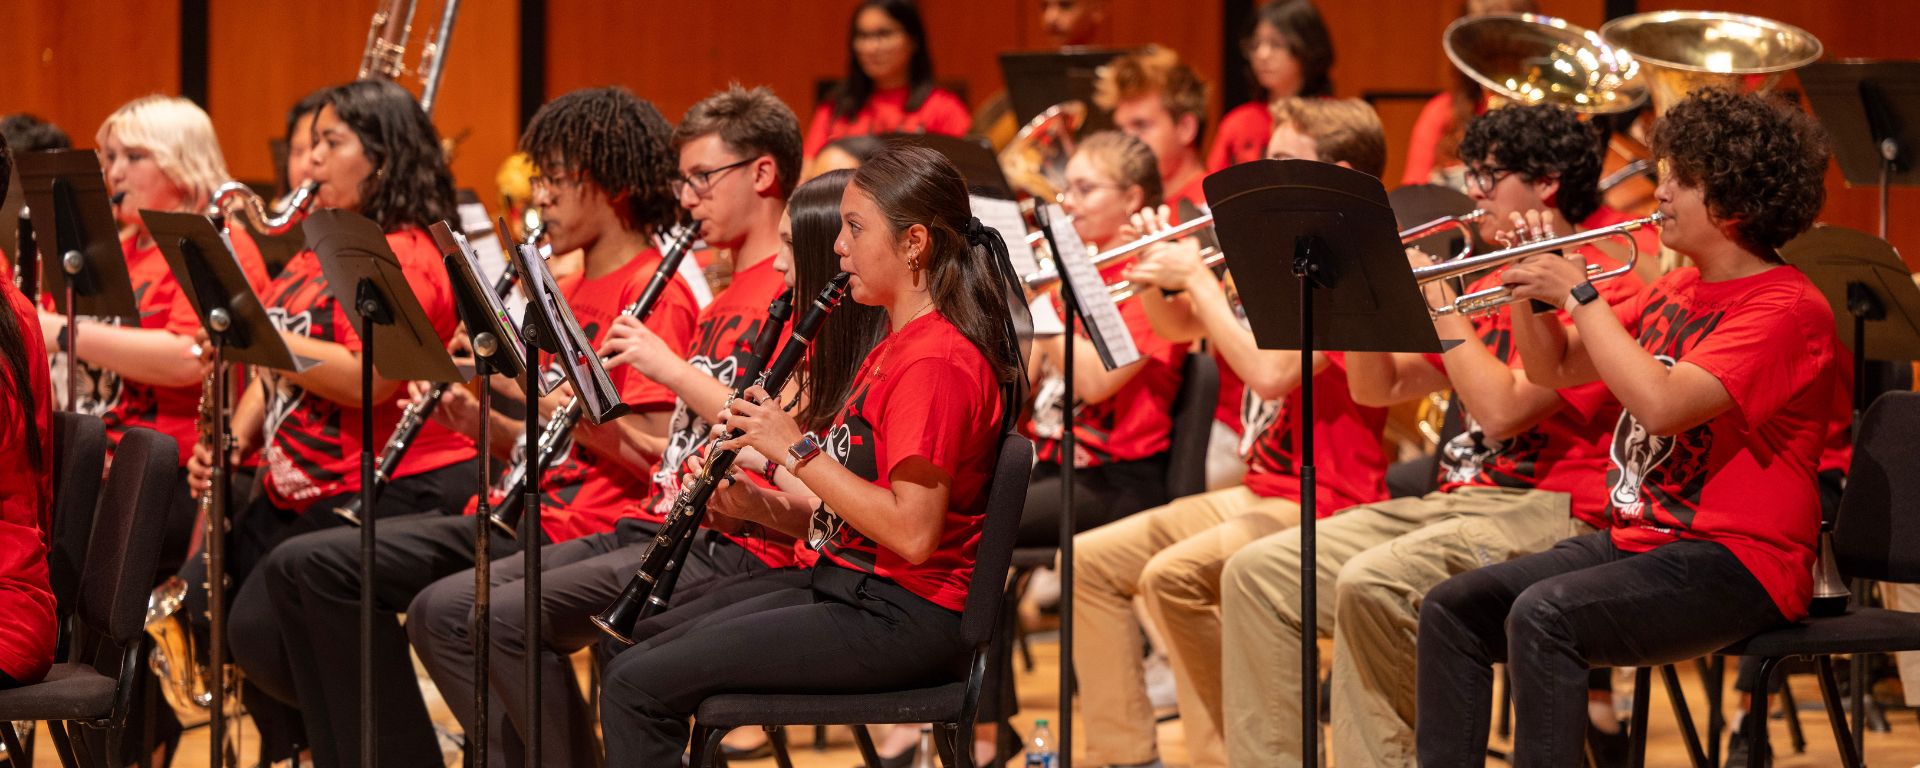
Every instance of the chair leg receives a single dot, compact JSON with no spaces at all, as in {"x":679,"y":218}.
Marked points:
{"x":947,"y":745}
{"x":864,"y":740}
{"x":1684,"y":714}
{"x":16,"y":752}
{"x":1795,"y":732}
{"x":1713,"y":674}
{"x":63,"y":743}
{"x":1505,"y":724}
{"x":1758,"y":744}
{"x":1637,"y":726}
{"x":819,"y":738}
{"x":705,"y":747}
{"x":1830,"y":692}
{"x":777,"y":736}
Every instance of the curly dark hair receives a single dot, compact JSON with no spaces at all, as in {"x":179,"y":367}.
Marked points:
{"x":1541,"y":142}
{"x":1758,"y":162}
{"x":616,"y":140}
{"x":411,"y":186}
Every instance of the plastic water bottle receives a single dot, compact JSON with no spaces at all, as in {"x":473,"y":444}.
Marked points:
{"x":1040,"y":750}
{"x":923,"y":757}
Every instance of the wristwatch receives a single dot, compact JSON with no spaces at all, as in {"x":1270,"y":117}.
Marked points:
{"x":1581,"y":294}
{"x":801,"y":452}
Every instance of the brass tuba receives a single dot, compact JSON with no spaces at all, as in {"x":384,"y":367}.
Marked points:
{"x":1527,"y":58}
{"x":1035,"y":162}
{"x":1684,"y":51}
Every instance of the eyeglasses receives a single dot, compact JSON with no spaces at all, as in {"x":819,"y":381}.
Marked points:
{"x":702,"y":181}
{"x":1080,"y":190}
{"x":551,"y":183}
{"x":1486,"y":178}
{"x":1254,"y":45}
{"x":877,"y":35}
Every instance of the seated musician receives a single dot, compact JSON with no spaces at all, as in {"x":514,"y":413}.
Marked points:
{"x":889,"y":86}
{"x":1725,"y":371}
{"x":1433,"y":151}
{"x":739,"y":152}
{"x":1171,"y":555}
{"x":901,"y":499}
{"x":1524,"y":474}
{"x":606,"y":193}
{"x":1159,"y":100}
{"x":1288,"y":52}
{"x":26,"y":490}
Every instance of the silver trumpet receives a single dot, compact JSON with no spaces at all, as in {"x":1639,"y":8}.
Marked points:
{"x":1499,"y":296}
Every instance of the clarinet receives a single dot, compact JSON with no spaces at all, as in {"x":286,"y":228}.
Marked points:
{"x":412,"y":420}
{"x":558,"y":430}
{"x":642,"y":596}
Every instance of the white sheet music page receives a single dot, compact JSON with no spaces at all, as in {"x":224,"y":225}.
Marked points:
{"x":1103,"y":322}
{"x":1004,"y":216}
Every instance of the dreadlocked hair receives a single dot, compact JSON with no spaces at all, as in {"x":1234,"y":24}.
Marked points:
{"x":616,"y":140}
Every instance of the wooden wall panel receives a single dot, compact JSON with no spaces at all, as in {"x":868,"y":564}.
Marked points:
{"x":75,"y":61}
{"x":1873,"y":29}
{"x":265,"y":56}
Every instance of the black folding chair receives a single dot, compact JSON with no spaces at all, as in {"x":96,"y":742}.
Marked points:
{"x":950,"y":706}
{"x":1876,"y":536}
{"x":94,"y":686}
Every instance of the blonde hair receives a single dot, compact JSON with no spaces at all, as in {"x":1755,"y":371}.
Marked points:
{"x":1127,"y":159}
{"x":1154,"y":70}
{"x":1343,"y":130}
{"x":179,"y":135}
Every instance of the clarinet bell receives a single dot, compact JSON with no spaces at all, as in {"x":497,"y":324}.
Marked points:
{"x":1830,"y":593}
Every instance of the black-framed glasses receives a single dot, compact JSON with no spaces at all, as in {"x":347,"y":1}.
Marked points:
{"x":551,"y":182}
{"x":702,"y":181}
{"x":1485,"y":178}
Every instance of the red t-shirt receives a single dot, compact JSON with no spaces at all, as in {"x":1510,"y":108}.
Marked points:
{"x":1243,"y":136}
{"x":584,"y":492}
{"x":1193,"y":193}
{"x":1744,"y":479}
{"x":886,"y":112}
{"x":1137,"y":421}
{"x":313,"y":444}
{"x":924,"y":391}
{"x":26,"y":504}
{"x":1566,"y":451}
{"x":722,"y":342}
{"x":1423,"y":148}
{"x":1350,"y":466}
{"x":123,"y":403}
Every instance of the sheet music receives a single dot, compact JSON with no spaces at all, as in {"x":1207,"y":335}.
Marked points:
{"x":576,"y":356}
{"x":1103,"y":322}
{"x":1004,"y":216}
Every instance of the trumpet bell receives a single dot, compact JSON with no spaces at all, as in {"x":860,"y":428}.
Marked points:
{"x":1683,"y":51}
{"x":1533,"y":59}
{"x":1035,"y":162}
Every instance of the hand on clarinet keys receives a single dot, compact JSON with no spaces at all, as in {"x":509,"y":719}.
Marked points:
{"x":763,"y":425}
{"x":630,"y":342}
{"x":731,"y":507}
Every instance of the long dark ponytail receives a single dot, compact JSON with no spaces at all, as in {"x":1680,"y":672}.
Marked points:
{"x":969,"y":276}
{"x":13,"y":342}
{"x":854,"y":328}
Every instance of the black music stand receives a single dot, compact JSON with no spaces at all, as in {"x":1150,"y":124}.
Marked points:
{"x":1319,"y":266}
{"x":239,"y":330}
{"x":549,"y":325}
{"x":971,"y":156}
{"x":1037,"y":80}
{"x":1076,"y":275}
{"x":396,"y":337}
{"x":1872,"y":111}
{"x":66,"y":196}
{"x":491,"y":330}
{"x":1869,"y":288}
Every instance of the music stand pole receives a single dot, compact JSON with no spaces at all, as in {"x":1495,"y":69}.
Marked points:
{"x":218,"y":322}
{"x":374,"y":310}
{"x":1068,"y":448}
{"x":530,"y":532}
{"x":484,"y":346}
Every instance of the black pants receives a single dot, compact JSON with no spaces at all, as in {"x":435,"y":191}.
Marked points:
{"x":1554,"y":615}
{"x":255,"y":629}
{"x":579,"y":578}
{"x":847,"y":632}
{"x":1101,"y":495}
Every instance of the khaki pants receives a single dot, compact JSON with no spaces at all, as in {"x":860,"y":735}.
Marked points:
{"x":1906,"y":597}
{"x":1375,"y":563}
{"x":1172,"y":557}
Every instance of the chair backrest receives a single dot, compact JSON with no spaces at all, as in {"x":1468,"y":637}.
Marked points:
{"x":1876,"y":534}
{"x":125,"y":547}
{"x":1193,"y":409}
{"x":79,"y":455}
{"x":1006,"y":497}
